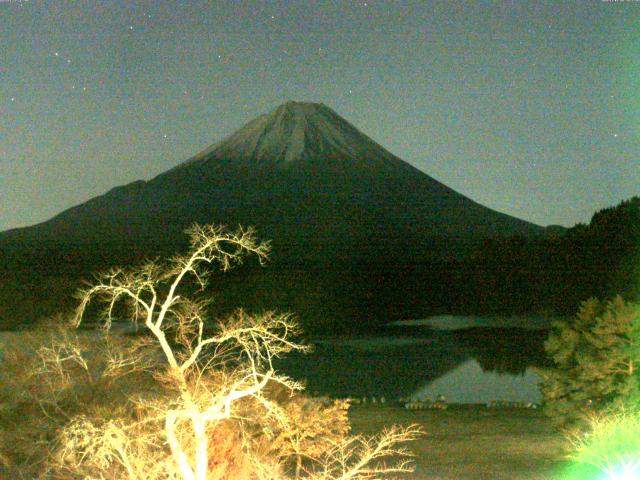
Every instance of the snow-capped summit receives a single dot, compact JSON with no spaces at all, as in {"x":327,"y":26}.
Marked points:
{"x":291,"y":132}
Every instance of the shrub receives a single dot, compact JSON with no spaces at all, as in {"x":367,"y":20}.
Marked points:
{"x":52,"y":374}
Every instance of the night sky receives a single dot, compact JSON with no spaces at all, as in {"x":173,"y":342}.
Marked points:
{"x":531,"y":108}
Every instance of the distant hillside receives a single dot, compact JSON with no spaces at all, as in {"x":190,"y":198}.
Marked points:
{"x":557,"y":271}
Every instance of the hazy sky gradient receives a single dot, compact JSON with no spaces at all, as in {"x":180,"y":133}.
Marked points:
{"x":531,"y":108}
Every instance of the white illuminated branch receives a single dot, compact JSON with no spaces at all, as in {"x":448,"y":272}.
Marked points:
{"x":240,"y":350}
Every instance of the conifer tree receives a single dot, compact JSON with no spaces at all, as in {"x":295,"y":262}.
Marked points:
{"x":595,"y":358}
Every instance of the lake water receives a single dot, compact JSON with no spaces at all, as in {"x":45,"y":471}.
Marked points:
{"x":447,"y":356}
{"x":466,"y":359}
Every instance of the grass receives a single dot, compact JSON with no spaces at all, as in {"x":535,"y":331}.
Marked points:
{"x":473,"y":443}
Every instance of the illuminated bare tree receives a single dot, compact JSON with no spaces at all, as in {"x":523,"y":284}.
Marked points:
{"x":213,"y":371}
{"x":255,"y":339}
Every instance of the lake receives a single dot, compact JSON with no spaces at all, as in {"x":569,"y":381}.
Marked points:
{"x":466,"y":359}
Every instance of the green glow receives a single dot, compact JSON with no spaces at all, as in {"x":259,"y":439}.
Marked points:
{"x":625,"y":472}
{"x":579,"y":471}
{"x":609,"y":451}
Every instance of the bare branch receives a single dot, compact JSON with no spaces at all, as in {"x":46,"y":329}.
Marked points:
{"x":208,"y":379}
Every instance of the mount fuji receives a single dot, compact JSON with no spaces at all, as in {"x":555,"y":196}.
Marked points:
{"x":308,"y":180}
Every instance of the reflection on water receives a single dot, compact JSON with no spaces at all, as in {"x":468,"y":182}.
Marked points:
{"x":457,"y":322}
{"x":469,"y":383}
{"x":473,"y":365}
{"x":504,"y":350}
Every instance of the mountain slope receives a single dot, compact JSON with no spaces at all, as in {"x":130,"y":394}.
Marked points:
{"x":307,"y":179}
{"x":354,"y":228}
